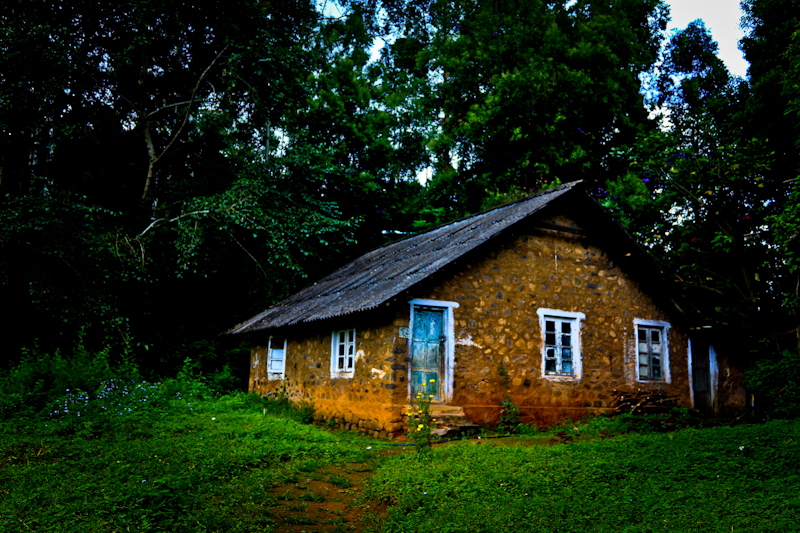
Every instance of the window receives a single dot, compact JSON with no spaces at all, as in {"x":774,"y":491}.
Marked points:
{"x":343,"y":351}
{"x":652,"y":354}
{"x":276,"y":357}
{"x":561,"y":353}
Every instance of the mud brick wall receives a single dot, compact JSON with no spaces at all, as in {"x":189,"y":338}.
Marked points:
{"x":497,"y":323}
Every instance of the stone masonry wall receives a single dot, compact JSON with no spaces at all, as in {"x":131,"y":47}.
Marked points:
{"x":372,"y":401}
{"x":497,"y":323}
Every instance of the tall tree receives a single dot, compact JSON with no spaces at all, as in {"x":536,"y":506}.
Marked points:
{"x":523,"y":93}
{"x":770,"y":25}
{"x":699,"y":195}
{"x":141,"y":167}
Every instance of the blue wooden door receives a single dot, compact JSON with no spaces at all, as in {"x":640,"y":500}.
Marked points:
{"x":427,"y":350}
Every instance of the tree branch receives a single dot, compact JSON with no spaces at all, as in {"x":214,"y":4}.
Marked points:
{"x":191,"y":101}
{"x":168,"y":220}
{"x":151,"y":153}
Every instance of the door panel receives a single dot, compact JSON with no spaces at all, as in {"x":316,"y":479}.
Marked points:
{"x":427,"y":345}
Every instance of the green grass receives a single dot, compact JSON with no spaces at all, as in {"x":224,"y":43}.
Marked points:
{"x":745,"y":478}
{"x":163,"y":459}
{"x":127,"y":456}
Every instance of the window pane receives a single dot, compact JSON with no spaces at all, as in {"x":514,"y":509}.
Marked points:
{"x":643,"y":371}
{"x":351,"y":335}
{"x":655,"y":335}
{"x":549,"y":325}
{"x":341,"y":349}
{"x":566,"y":340}
{"x":566,"y":354}
{"x":550,"y":366}
{"x":550,"y":339}
{"x":566,"y":327}
{"x":642,"y":335}
{"x":340,"y":363}
{"x":656,"y":347}
{"x":566,"y":367}
{"x":349,"y":363}
{"x":642,"y":348}
{"x":550,"y":354}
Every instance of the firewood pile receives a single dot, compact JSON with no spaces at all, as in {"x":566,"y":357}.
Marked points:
{"x":643,"y":402}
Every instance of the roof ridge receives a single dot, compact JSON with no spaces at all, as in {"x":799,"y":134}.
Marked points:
{"x":377,"y":276}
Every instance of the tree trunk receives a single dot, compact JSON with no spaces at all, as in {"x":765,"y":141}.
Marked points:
{"x":151,"y":158}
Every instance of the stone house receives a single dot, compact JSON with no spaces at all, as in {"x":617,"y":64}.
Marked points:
{"x":546,"y":299}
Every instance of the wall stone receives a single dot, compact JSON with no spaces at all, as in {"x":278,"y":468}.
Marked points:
{"x":499,"y":290}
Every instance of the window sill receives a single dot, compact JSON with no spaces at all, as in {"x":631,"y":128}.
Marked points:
{"x":560,"y":377}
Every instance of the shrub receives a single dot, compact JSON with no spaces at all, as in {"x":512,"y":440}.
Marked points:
{"x":29,"y":388}
{"x":420,"y":423}
{"x":775,"y":382}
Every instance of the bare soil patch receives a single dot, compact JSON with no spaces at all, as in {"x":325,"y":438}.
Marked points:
{"x":324,"y":500}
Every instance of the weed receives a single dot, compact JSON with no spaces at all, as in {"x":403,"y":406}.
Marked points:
{"x":563,"y":437}
{"x":420,"y":423}
{"x":718,"y":479}
{"x":157,"y":457}
{"x":340,"y":481}
{"x":296,"y":507}
{"x":300,"y":521}
{"x":312,"y":497}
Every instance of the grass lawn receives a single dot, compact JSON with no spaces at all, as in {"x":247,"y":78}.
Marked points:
{"x":745,"y":478}
{"x":140,"y":457}
{"x":177,"y":465}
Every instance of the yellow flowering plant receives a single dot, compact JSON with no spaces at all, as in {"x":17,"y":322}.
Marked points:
{"x":421,"y":422}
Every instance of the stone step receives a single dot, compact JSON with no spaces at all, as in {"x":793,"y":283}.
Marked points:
{"x":442,"y":410}
{"x":450,"y":421}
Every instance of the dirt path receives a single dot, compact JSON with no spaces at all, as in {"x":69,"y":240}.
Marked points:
{"x":325,"y":500}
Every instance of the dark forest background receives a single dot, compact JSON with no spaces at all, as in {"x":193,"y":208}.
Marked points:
{"x":168,"y":169}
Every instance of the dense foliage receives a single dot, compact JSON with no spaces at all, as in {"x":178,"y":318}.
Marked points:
{"x":712,"y":194}
{"x":168,"y":169}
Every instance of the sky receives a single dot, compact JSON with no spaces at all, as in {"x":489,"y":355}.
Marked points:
{"x":722,"y":17}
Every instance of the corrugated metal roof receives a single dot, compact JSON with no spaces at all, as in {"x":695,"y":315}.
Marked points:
{"x":384,"y":273}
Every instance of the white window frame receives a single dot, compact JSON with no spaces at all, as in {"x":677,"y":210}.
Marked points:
{"x":713,"y":372}
{"x":664,"y":327}
{"x":274,"y":374}
{"x":349,"y":353}
{"x":575,"y":342}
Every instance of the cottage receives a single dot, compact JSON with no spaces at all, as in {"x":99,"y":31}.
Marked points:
{"x":546,"y":299}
